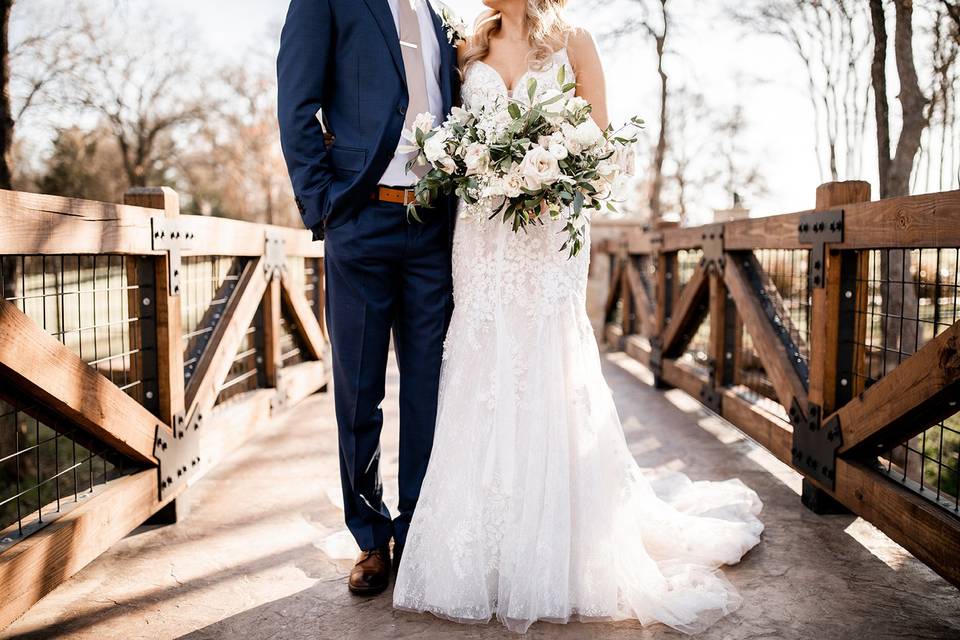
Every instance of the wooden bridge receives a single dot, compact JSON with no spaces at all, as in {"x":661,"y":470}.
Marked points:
{"x":150,"y":361}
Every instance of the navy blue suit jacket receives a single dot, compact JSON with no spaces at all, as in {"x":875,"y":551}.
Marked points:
{"x":343,"y":56}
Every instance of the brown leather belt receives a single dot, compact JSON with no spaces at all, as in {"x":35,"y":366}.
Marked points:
{"x":396,"y":196}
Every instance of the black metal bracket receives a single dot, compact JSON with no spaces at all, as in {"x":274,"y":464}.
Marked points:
{"x":817,"y":229}
{"x":179,"y":456}
{"x":173,"y":236}
{"x":815,"y":445}
{"x":274,"y":254}
{"x":147,"y":295}
{"x":709,"y":395}
{"x":712,"y":247}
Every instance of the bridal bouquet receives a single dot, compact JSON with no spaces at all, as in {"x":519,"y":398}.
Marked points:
{"x":526,"y":162}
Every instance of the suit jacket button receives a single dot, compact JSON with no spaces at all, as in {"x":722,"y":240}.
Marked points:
{"x":402,"y":110}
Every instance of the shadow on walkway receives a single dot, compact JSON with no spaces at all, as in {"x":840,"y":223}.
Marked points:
{"x":264,"y":554}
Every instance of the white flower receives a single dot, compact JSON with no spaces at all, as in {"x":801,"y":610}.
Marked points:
{"x":539,"y":168}
{"x":576,"y":103}
{"x":448,"y":164}
{"x":476,"y":157}
{"x":460,"y":115}
{"x":587,"y":134}
{"x":435,"y":147}
{"x":558,"y":151}
{"x":423,"y":123}
{"x":512,"y":184}
{"x":454,"y":26}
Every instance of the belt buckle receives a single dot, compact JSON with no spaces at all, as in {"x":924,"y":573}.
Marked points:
{"x":409,"y":196}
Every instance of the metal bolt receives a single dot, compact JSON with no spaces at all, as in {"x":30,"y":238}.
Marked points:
{"x":729,"y":355}
{"x":149,"y":395}
{"x":146,"y":302}
{"x":843,"y":382}
{"x":848,"y":294}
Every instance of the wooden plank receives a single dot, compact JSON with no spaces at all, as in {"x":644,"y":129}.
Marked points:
{"x":769,"y":348}
{"x":226,"y":237}
{"x":773,"y":434}
{"x":616,"y":279}
{"x":907,"y":400}
{"x":931,"y":220}
{"x":167,"y":309}
{"x":685,"y":316}
{"x":718,"y":328}
{"x":678,"y":238}
{"x":42,"y":368}
{"x":923,"y":528}
{"x":641,"y":298}
{"x":239,"y":312}
{"x":638,"y":348}
{"x":50,"y":225}
{"x":770,"y":232}
{"x":613,"y":336}
{"x":302,"y":380}
{"x":272,"y":356}
{"x":825,"y":301}
{"x":666,"y":288}
{"x":307,"y":322}
{"x":231,"y":425}
{"x":678,"y":376}
{"x":37,"y":564}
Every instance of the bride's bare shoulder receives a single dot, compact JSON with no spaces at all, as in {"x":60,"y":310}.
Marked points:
{"x":579,"y":42}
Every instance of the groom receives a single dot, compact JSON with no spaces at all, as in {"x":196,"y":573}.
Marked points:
{"x":360,"y":71}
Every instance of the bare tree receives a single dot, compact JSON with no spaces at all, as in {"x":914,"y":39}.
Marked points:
{"x":142,"y":80}
{"x":738,"y":173}
{"x":659,"y":31}
{"x":900,"y":296}
{"x":6,"y":110}
{"x":830,"y":38}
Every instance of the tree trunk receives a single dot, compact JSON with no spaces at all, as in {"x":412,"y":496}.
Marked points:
{"x":6,"y":112}
{"x":899,"y":292}
{"x":660,"y":153}
{"x":878,"y":75}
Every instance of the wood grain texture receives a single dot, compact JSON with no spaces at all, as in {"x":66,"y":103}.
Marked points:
{"x":643,"y":305}
{"x":214,"y":365}
{"x":307,"y":323}
{"x":769,"y":348}
{"x":894,"y":408}
{"x":41,"y":224}
{"x":40,"y":367}
{"x":773,"y":434}
{"x":686,"y":315}
{"x":272,"y":355}
{"x":37,"y":564}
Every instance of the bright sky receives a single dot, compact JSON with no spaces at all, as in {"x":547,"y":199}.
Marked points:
{"x":759,"y":73}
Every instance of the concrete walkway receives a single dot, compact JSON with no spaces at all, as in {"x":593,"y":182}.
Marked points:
{"x":264,"y":554}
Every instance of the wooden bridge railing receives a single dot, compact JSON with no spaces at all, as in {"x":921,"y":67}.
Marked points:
{"x":831,"y":337}
{"x":137,"y":348}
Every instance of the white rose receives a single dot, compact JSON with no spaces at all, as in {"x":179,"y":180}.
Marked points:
{"x":575,"y":103}
{"x":587,"y":134}
{"x":513,"y":183}
{"x":423,"y":123}
{"x":477,"y":158}
{"x":435,"y":147}
{"x":558,"y":151}
{"x":459,"y":114}
{"x":539,"y":168}
{"x":448,"y":164}
{"x":570,"y":140}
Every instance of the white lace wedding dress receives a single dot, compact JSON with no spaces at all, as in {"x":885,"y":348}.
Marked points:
{"x":533,"y":507}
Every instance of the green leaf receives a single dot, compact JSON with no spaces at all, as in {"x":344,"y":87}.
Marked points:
{"x":531,"y":88}
{"x":514,"y":111}
{"x":561,"y":74}
{"x":578,"y":203}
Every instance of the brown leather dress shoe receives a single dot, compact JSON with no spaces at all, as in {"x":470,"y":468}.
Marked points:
{"x":371,"y":574}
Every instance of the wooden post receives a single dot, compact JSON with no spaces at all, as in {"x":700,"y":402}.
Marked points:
{"x":718,"y":329}
{"x":271,"y":330}
{"x":825,"y":302}
{"x":825,"y":330}
{"x":169,"y":328}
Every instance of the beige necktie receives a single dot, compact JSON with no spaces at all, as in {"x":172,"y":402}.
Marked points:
{"x":413,"y":68}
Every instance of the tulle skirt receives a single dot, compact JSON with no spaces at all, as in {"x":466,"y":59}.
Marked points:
{"x":533,"y":507}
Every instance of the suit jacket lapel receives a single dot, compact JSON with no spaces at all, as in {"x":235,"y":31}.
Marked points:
{"x":384,"y":17}
{"x":447,"y":61}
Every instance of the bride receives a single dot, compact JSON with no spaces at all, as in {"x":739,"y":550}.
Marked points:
{"x":532,"y":507}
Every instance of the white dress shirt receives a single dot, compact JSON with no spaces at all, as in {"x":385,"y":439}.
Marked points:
{"x":396,"y":174}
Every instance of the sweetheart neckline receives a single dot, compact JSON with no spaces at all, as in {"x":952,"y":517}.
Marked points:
{"x":523,"y":75}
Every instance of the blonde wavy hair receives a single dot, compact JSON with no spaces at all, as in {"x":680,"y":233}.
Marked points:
{"x":547,"y":32}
